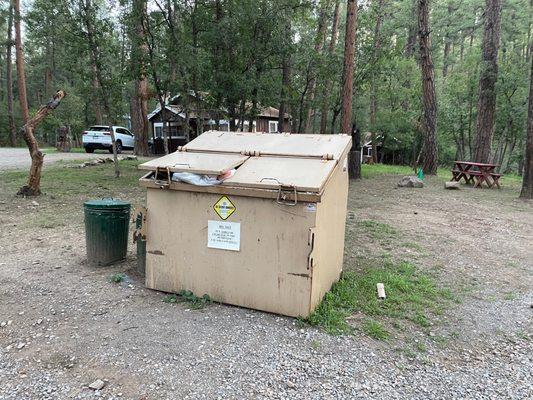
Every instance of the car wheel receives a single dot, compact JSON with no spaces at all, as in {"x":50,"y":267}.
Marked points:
{"x":89,"y":150}
{"x":118,"y":145}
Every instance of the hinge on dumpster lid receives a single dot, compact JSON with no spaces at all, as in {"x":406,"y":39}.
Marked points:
{"x":283,"y":193}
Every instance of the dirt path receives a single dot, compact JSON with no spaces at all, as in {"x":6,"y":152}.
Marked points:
{"x":65,"y":325}
{"x":18,"y":158}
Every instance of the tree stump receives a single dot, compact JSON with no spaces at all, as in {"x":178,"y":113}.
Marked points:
{"x":63,"y":141}
{"x":354,"y":164}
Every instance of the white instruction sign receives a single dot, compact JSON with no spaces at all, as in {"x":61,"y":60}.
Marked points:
{"x":224,"y":235}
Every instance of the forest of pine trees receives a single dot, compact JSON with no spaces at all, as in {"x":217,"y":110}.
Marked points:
{"x":432,"y":80}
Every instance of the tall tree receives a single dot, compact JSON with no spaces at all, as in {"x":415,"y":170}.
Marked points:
{"x":373,"y":84}
{"x":89,"y":16}
{"x":21,"y":75}
{"x":329,"y":82}
{"x":486,"y":102}
{"x":527,"y":184}
{"x":139,"y":99}
{"x":429,"y":99}
{"x":9,"y":78}
{"x":319,"y":45}
{"x":348,"y":67}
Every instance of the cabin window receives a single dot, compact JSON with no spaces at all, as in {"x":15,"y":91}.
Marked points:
{"x":158,"y":131}
{"x":272,"y":126}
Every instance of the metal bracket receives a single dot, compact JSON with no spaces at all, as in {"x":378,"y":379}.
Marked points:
{"x":140,"y":231}
{"x":162,"y":184}
{"x":283,"y":198}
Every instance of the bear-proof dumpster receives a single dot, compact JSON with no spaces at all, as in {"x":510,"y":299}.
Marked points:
{"x":251,"y":219}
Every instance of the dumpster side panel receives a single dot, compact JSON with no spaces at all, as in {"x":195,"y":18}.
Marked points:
{"x":269,"y":272}
{"x":329,"y":234}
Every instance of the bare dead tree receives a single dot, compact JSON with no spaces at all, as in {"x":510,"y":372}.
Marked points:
{"x":33,"y":187}
{"x":348,"y":68}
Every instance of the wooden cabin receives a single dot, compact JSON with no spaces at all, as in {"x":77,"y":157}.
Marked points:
{"x":182,"y":116}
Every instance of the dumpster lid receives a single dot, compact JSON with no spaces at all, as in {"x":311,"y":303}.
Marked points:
{"x":107,"y":204}
{"x":275,"y":144}
{"x":197,"y":163}
{"x":302,"y":174}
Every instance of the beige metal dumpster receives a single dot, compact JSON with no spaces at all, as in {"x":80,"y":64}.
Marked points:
{"x":271,"y":237}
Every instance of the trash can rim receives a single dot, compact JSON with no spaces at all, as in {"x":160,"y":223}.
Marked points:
{"x":107,"y":204}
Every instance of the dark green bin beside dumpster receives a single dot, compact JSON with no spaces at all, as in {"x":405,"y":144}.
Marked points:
{"x":106,"y":230}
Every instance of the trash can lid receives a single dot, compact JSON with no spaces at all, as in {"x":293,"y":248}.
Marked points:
{"x":107,"y":204}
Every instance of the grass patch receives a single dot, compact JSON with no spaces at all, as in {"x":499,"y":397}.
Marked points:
{"x":117,"y":278}
{"x":374,"y":329}
{"x":411,"y":296}
{"x":189,"y":297}
{"x":509,"y":296}
{"x":378,"y":230}
{"x":369,"y":171}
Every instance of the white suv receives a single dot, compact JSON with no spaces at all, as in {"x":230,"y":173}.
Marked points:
{"x":99,"y":137}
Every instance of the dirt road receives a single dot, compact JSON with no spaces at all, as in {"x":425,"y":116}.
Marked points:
{"x":18,"y":158}
{"x":63,"y":325}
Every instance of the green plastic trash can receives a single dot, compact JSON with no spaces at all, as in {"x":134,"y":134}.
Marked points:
{"x":106,"y":230}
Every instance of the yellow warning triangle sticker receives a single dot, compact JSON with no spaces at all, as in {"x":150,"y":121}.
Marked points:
{"x":224,"y":207}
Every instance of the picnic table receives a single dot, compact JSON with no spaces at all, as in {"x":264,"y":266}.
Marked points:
{"x":476,"y":173}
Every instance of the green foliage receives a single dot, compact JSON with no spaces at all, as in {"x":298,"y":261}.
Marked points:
{"x":411,"y":296}
{"x":194,"y":301}
{"x":233,"y":51}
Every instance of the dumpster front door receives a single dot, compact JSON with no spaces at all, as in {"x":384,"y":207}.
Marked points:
{"x":258,"y":256}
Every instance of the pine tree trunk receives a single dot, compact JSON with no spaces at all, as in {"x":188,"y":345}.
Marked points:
{"x":527,"y":184}
{"x":139,"y":100}
{"x":373,"y":83}
{"x":348,"y":68}
{"x":9,"y":79}
{"x":19,"y":55}
{"x":329,"y":83}
{"x":429,"y":100}
{"x":319,"y":45}
{"x":486,"y":103}
{"x":88,"y":13}
{"x":285,"y":85}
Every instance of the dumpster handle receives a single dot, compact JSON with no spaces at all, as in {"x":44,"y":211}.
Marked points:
{"x":187,"y":164}
{"x":270,"y":179}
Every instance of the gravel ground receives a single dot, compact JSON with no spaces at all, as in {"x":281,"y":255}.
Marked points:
{"x":63,"y":325}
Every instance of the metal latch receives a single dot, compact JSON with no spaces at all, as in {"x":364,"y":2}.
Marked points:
{"x":160,"y":183}
{"x":283,"y":193}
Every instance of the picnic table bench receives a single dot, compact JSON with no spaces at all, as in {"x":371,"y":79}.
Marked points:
{"x":476,"y":173}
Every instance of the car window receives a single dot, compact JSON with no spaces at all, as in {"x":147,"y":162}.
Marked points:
{"x":128,"y":132}
{"x":99,"y":128}
{"x":122,"y":131}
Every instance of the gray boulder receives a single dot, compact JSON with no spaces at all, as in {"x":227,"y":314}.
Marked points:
{"x":411,"y":182}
